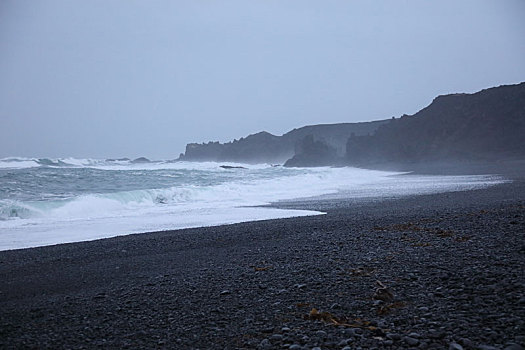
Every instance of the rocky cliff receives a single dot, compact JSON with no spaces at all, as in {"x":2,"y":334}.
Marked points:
{"x":264,"y":147}
{"x":309,"y":152}
{"x":484,"y":126}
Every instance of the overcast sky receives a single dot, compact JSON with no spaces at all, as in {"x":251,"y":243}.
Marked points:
{"x":143,"y":78}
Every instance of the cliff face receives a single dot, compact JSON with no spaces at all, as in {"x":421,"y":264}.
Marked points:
{"x":309,"y":152}
{"x":484,"y":126}
{"x":264,"y":147}
{"x":333,"y":135}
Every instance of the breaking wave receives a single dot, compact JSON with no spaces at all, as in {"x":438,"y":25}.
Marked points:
{"x":229,"y":194}
{"x":68,"y":199}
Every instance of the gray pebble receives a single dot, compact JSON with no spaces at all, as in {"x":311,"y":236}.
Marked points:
{"x":277,"y":337}
{"x":321,"y":334}
{"x":455,"y":346}
{"x":513,"y":347}
{"x":343,"y":342}
{"x":467,"y":342}
{"x":393,"y":336}
{"x":411,"y":341}
{"x":265,"y":344}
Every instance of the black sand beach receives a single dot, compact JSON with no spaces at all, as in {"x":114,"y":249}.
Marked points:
{"x":452,"y":265}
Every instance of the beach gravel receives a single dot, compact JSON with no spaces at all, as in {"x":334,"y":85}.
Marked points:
{"x":439,"y":271}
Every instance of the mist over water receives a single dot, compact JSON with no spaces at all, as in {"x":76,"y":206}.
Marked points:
{"x":50,"y":201}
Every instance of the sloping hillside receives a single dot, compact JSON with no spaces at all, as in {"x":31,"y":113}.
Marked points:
{"x":484,"y":126}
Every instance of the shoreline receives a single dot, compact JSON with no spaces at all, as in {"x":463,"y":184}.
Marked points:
{"x":452,"y":261}
{"x":48,"y":234}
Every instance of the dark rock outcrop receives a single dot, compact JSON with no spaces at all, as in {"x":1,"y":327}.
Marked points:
{"x":257,"y":148}
{"x":333,"y":135}
{"x":311,"y":153}
{"x":140,"y":160}
{"x":231,"y":167}
{"x":264,"y":147}
{"x":485,"y":126}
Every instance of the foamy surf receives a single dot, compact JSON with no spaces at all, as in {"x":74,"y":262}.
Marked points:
{"x":71,"y":200}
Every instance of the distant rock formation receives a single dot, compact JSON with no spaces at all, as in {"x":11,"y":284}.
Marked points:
{"x":264,"y":147}
{"x":231,"y":167}
{"x":140,"y":160}
{"x":310,"y":153}
{"x":484,"y":126}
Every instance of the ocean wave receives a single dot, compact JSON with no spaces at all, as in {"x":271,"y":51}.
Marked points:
{"x":240,"y":193}
{"x":21,"y":163}
{"x":119,"y":164}
{"x":205,"y":197}
{"x":244,"y":191}
{"x":18,"y":163}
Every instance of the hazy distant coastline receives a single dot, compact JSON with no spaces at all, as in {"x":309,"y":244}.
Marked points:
{"x":467,"y":129}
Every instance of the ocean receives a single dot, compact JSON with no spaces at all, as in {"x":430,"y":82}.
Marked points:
{"x":52,"y":201}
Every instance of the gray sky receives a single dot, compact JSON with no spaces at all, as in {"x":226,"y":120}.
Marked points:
{"x":115,"y":78}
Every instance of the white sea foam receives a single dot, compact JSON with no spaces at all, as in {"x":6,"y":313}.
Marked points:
{"x":200,"y":203}
{"x":21,"y":162}
{"x":17,"y":163}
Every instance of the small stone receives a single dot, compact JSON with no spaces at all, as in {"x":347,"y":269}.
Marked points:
{"x":295,"y":347}
{"x":455,"y":346}
{"x":343,"y":342}
{"x":437,"y":334}
{"x":382,"y":324}
{"x":321,"y":334}
{"x":513,"y":347}
{"x":265,"y":344}
{"x":520,"y":339}
{"x":393,"y":336}
{"x":348,"y":332}
{"x":411,"y":341}
{"x":467,"y":342}
{"x":225,"y":292}
{"x":100,"y":296}
{"x":414,"y":335}
{"x":347,"y":348}
{"x":487,"y":347}
{"x":277,"y":337}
